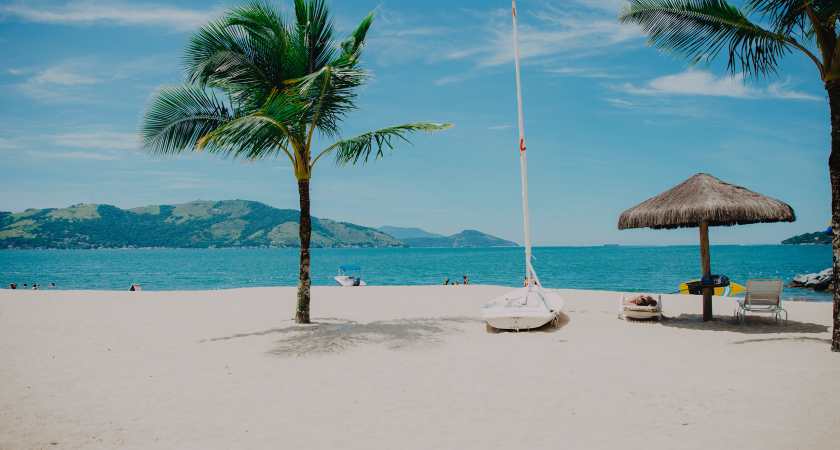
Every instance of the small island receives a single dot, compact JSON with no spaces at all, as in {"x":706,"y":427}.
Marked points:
{"x":815,"y":238}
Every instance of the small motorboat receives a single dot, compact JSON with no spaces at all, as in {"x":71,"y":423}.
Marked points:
{"x":343,"y":279}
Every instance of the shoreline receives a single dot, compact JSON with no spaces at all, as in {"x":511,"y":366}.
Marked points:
{"x":386,"y":364}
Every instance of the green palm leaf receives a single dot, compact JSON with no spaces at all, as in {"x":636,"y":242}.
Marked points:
{"x":360,"y":147}
{"x":178,"y":116}
{"x":698,"y":29}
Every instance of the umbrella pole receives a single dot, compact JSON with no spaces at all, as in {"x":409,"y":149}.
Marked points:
{"x":705,"y":261}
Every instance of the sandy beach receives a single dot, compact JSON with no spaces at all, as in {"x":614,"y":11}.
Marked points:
{"x":404,"y":367}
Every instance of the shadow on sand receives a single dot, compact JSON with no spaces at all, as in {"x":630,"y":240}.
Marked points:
{"x":754,"y":324}
{"x":562,"y":321}
{"x":334,"y":336}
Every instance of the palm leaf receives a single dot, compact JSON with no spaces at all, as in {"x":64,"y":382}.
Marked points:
{"x":359,"y":148}
{"x":261,"y":135}
{"x":698,"y":29}
{"x":177,"y":117}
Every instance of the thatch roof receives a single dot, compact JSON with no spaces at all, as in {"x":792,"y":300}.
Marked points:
{"x":704,"y":197}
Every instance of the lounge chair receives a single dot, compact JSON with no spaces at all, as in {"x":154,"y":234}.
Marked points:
{"x":762,"y":296}
{"x":639,"y":312}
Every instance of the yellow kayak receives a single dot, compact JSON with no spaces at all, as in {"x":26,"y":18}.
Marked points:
{"x":723,"y":291}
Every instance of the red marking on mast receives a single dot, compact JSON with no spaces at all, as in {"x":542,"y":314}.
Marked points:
{"x":522,"y":145}
{"x":514,"y":13}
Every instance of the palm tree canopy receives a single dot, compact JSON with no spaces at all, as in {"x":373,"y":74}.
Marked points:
{"x":704,"y":198}
{"x":701,"y":29}
{"x":259,"y":84}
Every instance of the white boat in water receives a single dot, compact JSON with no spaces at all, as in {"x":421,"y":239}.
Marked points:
{"x":531,"y":306}
{"x":343,"y":279}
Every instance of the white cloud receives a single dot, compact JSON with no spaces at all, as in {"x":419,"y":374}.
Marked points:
{"x":501,"y":127}
{"x":704,"y":83}
{"x":60,"y":75}
{"x":70,"y":155}
{"x":548,"y":36}
{"x":586,"y":72}
{"x":107,"y":12}
{"x":6,"y":143}
{"x":61,"y":81}
{"x":108,"y":140}
{"x":69,"y":79}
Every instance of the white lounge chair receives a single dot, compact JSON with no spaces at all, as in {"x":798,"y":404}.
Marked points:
{"x":639,"y":312}
{"x":762,"y":296}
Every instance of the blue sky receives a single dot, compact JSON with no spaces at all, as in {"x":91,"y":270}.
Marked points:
{"x":609,"y":122}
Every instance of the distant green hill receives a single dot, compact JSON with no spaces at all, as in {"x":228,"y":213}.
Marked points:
{"x":198,"y":224}
{"x":815,"y":238}
{"x":466,"y":238}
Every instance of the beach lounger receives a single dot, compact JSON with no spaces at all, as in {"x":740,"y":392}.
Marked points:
{"x":762,"y":296}
{"x":639,"y":312}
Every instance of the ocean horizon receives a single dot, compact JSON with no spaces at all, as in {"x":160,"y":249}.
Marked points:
{"x":657,"y":269}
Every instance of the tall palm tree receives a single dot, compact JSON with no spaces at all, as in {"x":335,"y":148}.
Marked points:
{"x":700,"y":29}
{"x":258,"y":86}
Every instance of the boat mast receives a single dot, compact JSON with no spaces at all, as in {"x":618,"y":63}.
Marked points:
{"x":522,"y":160}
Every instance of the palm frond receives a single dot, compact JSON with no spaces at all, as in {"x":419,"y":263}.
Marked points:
{"x":261,"y":135}
{"x":177,"y":116}
{"x":313,"y":34}
{"x":785,"y":15}
{"x":360,"y":148}
{"x":332,"y":92}
{"x":245,"y":51}
{"x":700,"y":29}
{"x":354,"y":44}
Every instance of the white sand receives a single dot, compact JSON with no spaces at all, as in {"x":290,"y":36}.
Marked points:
{"x":229,"y":369}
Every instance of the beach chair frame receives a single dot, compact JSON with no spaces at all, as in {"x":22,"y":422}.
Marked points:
{"x":763,"y":295}
{"x":639,"y":312}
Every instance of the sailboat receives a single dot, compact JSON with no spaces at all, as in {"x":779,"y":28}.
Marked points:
{"x":531,"y":306}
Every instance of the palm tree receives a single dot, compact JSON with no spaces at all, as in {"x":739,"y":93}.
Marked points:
{"x":257,"y":87}
{"x":700,"y":29}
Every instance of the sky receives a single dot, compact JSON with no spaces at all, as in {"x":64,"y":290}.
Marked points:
{"x":609,"y":122}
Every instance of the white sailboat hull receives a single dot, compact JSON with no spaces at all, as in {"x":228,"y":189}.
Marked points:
{"x":522,"y":310}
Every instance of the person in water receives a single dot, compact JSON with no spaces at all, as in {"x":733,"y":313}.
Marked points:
{"x":447,"y":282}
{"x":52,"y":285}
{"x":24,"y":285}
{"x":13,"y":286}
{"x":465,"y":280}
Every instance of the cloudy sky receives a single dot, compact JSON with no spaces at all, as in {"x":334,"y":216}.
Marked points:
{"x":609,"y":122}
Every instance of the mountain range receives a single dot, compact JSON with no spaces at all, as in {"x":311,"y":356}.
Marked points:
{"x":466,"y":238}
{"x":400,"y":232}
{"x":205,"y":224}
{"x":197,"y":224}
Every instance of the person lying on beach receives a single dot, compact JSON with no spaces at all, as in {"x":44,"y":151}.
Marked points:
{"x":641,"y":300}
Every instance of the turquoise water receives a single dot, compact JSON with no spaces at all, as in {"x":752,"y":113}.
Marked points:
{"x":648,"y":269}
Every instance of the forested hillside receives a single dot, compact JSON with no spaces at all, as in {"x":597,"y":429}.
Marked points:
{"x":815,"y":238}
{"x":198,"y":224}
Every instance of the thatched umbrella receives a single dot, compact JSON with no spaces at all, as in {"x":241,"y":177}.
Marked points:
{"x":704,"y":201}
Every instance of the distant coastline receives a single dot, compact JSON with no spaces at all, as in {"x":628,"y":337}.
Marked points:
{"x":815,"y":238}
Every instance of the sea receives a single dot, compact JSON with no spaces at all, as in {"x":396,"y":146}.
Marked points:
{"x":618,"y":268}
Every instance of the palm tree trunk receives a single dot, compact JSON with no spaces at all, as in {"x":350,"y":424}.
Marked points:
{"x":305,"y":229}
{"x":833,"y":89}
